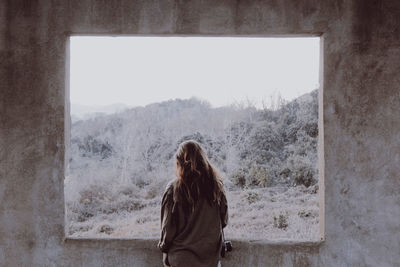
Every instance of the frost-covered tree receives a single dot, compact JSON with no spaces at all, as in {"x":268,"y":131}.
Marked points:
{"x":120,"y":163}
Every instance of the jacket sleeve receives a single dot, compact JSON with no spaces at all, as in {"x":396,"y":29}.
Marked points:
{"x":223,"y":210}
{"x":168,"y":225}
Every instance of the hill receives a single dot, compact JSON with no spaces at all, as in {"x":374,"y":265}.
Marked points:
{"x":133,"y":151}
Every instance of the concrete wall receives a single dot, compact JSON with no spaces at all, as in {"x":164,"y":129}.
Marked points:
{"x":361,"y":115}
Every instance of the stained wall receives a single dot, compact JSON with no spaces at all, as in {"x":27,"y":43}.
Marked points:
{"x":360,"y":111}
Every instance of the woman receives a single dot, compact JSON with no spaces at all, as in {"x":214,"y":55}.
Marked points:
{"x":193,"y":211}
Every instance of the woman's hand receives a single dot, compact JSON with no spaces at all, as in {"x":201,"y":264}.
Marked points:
{"x":165,"y":259}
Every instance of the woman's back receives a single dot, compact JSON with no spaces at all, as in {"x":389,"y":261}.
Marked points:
{"x":194,"y":208}
{"x":197,"y":240}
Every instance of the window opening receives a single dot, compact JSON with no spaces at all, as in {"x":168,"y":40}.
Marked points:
{"x":251,"y":102}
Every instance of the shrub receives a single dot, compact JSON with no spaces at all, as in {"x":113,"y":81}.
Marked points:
{"x":129,"y":190}
{"x":121,"y":204}
{"x":304,"y":213}
{"x":301,"y":171}
{"x":84,"y":214}
{"x":100,"y":199}
{"x":154,"y":191}
{"x":106,"y":229}
{"x":238,"y":178}
{"x":252,"y":196}
{"x":259,"y":176}
{"x":72,"y":229}
{"x":90,"y":199}
{"x":303,"y":175}
{"x":94,"y":195}
{"x":281,"y":221}
{"x":311,"y":128}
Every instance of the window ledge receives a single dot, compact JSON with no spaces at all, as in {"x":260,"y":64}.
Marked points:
{"x":151,"y":243}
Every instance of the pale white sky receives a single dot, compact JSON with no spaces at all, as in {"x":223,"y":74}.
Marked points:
{"x":137,"y":71}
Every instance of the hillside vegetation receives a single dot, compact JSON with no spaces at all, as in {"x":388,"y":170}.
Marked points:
{"x":120,"y":164}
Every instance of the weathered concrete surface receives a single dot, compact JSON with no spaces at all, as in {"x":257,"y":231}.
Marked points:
{"x":361,"y":114}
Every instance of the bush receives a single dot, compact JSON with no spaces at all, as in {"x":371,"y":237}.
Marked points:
{"x":122,"y":204}
{"x":90,"y":199}
{"x":311,"y":128}
{"x":106,"y":229}
{"x":259,"y":176}
{"x":304,"y":214}
{"x":281,"y":221}
{"x":301,"y":171}
{"x":252,"y":196}
{"x":303,"y":175}
{"x":238,"y":178}
{"x":100,"y":199}
{"x":72,"y":229}
{"x":94,"y":195}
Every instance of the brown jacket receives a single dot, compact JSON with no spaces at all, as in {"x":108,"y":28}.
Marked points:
{"x":195,"y":240}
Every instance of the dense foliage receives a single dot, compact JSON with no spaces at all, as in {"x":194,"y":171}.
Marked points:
{"x":122,"y":162}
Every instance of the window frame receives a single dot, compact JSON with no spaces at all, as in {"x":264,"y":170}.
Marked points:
{"x":320,"y":146}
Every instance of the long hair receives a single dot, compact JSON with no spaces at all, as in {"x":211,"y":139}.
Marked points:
{"x":196,"y":177}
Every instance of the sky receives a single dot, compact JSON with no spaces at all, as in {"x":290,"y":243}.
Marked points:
{"x":137,"y":71}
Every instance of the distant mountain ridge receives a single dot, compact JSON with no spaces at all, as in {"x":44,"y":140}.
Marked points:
{"x":84,"y":112}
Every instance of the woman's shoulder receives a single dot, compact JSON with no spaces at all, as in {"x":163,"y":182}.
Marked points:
{"x":169,"y":189}
{"x":171,"y":185}
{"x":167,"y":201}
